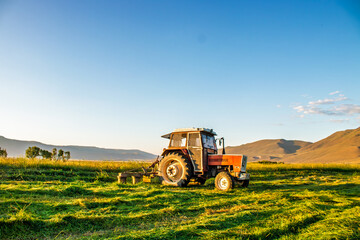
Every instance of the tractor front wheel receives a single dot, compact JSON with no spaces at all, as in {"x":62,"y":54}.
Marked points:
{"x":175,"y":170}
{"x":224,"y":181}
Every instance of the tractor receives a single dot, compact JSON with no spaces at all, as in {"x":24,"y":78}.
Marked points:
{"x":192,"y":155}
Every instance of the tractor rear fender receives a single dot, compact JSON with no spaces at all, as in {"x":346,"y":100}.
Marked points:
{"x":180,"y":151}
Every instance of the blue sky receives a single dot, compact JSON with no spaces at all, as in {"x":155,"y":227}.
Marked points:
{"x":119,"y":74}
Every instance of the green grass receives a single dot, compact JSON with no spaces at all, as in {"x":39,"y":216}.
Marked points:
{"x":82,"y":200}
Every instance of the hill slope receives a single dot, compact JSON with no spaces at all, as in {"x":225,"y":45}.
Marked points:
{"x":17,"y":148}
{"x":268,"y":149}
{"x":340,"y":147}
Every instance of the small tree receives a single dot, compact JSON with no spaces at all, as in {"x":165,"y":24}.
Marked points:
{"x":54,"y":154}
{"x":61,"y":154}
{"x":3,"y":152}
{"x":45,"y":154}
{"x":32,"y":152}
{"x":67,"y":155}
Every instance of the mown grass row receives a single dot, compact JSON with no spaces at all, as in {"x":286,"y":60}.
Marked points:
{"x":46,"y":170}
{"x":297,"y":203}
{"x":23,"y":163}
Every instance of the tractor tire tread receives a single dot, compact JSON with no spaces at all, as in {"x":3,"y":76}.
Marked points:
{"x":187,"y":168}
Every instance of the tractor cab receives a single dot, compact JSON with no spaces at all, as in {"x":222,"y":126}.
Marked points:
{"x":196,"y":143}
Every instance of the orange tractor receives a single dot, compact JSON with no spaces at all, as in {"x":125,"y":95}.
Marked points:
{"x":192,"y":154}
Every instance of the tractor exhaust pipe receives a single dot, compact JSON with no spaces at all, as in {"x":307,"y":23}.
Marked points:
{"x":222,"y":141}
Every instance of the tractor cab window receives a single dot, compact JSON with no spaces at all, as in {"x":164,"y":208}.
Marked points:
{"x":209,"y":141}
{"x":178,"y":140}
{"x":194,"y":140}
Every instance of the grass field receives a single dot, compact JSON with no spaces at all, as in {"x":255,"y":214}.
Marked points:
{"x":82,"y":200}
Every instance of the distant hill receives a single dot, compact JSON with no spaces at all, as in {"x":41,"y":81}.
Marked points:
{"x":17,"y":148}
{"x":270,"y":149}
{"x":340,"y":147}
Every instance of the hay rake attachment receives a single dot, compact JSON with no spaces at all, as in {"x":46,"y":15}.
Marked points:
{"x":146,"y":175}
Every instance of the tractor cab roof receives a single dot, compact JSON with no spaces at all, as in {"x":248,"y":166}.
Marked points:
{"x":208,"y":130}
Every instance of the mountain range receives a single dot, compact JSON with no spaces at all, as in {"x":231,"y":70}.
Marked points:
{"x":16,"y":148}
{"x":268,"y":149}
{"x":340,"y":147}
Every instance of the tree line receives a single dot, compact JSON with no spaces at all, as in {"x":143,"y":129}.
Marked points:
{"x":3,"y":152}
{"x":33,"y":152}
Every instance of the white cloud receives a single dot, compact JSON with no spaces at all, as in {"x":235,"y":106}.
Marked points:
{"x":314,"y":110}
{"x":321,"y":107}
{"x":278,"y":106}
{"x":328,"y":100}
{"x":333,"y":93}
{"x":299,"y":108}
{"x":348,"y":109}
{"x":343,"y":109}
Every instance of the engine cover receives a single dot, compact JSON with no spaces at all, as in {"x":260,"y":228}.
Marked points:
{"x":238,"y":161}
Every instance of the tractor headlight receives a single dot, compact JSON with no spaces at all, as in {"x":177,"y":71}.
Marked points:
{"x":244,"y":176}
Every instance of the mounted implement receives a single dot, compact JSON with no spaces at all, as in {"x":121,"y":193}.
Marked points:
{"x":136,"y":176}
{"x":192,"y":154}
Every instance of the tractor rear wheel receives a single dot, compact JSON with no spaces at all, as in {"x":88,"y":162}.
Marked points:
{"x":175,"y":170}
{"x":224,"y":181}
